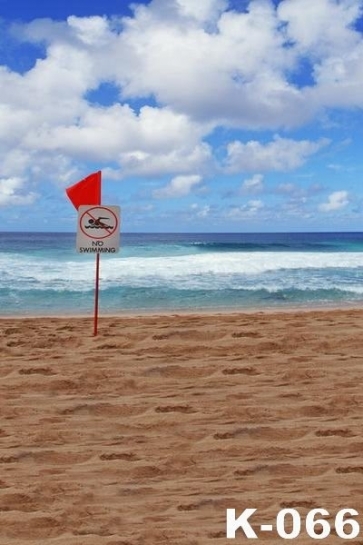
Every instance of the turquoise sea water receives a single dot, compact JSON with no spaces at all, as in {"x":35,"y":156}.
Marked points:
{"x":41,"y":273}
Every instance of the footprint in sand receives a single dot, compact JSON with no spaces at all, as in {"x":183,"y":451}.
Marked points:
{"x":37,"y":371}
{"x":217,"y":535}
{"x":307,"y":504}
{"x":174,"y":409}
{"x":128,"y":456}
{"x":335,"y":433}
{"x":18,"y":502}
{"x":240,"y":371}
{"x":225,"y":435}
{"x":9,"y":459}
{"x":188,"y":507}
{"x":349,"y":469}
{"x":252,"y":334}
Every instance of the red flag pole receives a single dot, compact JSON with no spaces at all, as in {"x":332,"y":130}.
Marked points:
{"x":88,"y":191}
{"x":95,"y":321}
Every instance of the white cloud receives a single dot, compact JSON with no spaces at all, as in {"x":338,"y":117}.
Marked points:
{"x":92,"y":31}
{"x":203,"y":65}
{"x":336,"y":200}
{"x":11,"y":193}
{"x":323,"y":32}
{"x":253,"y":185}
{"x":180,"y":186}
{"x":117,"y":132}
{"x":322,"y":27}
{"x":281,"y":154}
{"x":245,"y":211}
{"x":201,"y":211}
{"x":203,"y":10}
{"x":234,"y":75}
{"x":238,"y":74}
{"x":255,"y":205}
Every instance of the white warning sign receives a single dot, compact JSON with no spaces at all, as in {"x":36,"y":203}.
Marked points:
{"x":98,"y":229}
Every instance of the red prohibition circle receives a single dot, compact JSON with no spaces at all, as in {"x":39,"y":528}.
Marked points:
{"x":89,"y":213}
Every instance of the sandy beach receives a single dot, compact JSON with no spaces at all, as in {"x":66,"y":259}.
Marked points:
{"x":148,"y":432}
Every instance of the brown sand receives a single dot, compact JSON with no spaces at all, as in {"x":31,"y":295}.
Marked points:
{"x":149,"y":432}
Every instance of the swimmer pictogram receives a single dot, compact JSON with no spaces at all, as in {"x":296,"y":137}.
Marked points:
{"x":98,"y":222}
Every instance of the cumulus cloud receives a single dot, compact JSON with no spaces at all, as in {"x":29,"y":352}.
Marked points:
{"x":11,"y":193}
{"x":336,"y":200}
{"x":281,"y":154}
{"x":240,"y":73}
{"x":180,"y":186}
{"x":321,"y":28}
{"x":234,"y":75}
{"x":200,"y":65}
{"x":203,"y":10}
{"x":117,"y":132}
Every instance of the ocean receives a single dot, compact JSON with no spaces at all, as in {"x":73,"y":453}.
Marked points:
{"x":41,"y":273}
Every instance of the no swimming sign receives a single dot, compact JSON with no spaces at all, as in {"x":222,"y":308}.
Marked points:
{"x":98,"y":229}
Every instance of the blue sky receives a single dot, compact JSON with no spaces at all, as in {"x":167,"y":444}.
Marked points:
{"x":208,"y":115}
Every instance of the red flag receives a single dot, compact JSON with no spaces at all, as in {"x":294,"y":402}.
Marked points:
{"x":87,"y":191}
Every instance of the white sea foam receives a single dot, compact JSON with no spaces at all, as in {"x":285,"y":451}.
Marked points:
{"x":254,"y":270}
